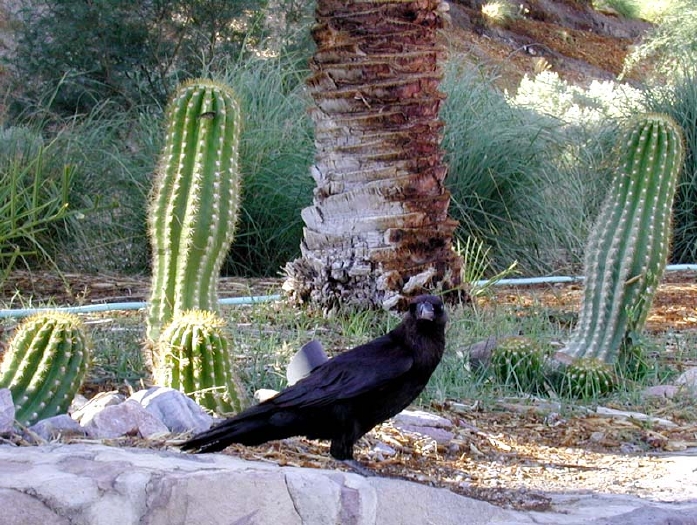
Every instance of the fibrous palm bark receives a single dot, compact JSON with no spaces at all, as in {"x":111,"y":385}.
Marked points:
{"x":378,"y":230}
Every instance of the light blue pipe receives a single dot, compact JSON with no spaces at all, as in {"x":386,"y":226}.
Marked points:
{"x":108,"y":307}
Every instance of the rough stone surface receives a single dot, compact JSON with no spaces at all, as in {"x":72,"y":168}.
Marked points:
{"x":419,"y":418}
{"x":55,"y":427}
{"x":661,"y":391}
{"x":127,"y":418}
{"x":688,"y":380}
{"x":178,"y":412}
{"x":87,"y":411}
{"x":99,"y":485}
{"x":7,"y":410}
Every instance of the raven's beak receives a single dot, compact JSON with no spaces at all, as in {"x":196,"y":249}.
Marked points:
{"x":425,"y":311}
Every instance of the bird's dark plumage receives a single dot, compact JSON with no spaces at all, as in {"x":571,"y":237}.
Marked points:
{"x":348,"y":395}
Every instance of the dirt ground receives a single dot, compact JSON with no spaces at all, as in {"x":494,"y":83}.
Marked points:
{"x":513,"y":453}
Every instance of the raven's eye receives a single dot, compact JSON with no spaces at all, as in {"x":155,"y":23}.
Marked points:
{"x":438,"y":308}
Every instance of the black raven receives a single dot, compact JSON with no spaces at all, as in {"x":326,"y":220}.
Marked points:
{"x":348,"y":395}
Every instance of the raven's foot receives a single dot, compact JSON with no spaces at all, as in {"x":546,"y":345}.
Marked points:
{"x":356,"y":467}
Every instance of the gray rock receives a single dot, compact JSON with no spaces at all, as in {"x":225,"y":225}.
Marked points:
{"x":127,"y":418}
{"x":479,"y":353}
{"x":24,"y":509}
{"x":55,"y":427}
{"x":424,"y":424}
{"x":103,"y":485}
{"x":439,"y":435}
{"x":178,"y":412}
{"x":420,"y":418}
{"x":688,"y":380}
{"x":7,"y":411}
{"x":664,"y":391}
{"x":381,"y":451}
{"x":94,"y":406}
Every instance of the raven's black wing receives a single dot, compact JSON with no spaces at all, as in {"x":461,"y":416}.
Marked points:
{"x":364,"y":369}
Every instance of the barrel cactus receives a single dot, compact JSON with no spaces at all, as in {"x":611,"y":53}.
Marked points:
{"x":45,"y":365}
{"x":195,"y":204}
{"x":193,"y":356}
{"x":628,"y":248}
{"x":518,"y":362}
{"x":588,"y":377}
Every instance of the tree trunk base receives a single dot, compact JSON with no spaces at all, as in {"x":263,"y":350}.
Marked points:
{"x":334,"y":283}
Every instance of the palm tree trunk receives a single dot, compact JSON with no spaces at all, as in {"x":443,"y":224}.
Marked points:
{"x":378,"y":229}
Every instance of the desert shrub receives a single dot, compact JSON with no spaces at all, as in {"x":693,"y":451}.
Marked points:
{"x":508,"y":188}
{"x":671,"y":42}
{"x":134,"y":53}
{"x":276,"y":151}
{"x":34,"y":198}
{"x":113,"y":155}
{"x":573,"y":105}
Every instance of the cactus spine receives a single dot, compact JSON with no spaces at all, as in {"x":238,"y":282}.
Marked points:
{"x":45,"y":365}
{"x":193,"y":357}
{"x":627,"y":250}
{"x":194,"y":209}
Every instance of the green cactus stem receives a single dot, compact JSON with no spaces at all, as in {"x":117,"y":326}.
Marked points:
{"x":195,"y":204}
{"x":45,"y":365}
{"x":518,"y":362}
{"x":628,"y":247}
{"x":193,"y":356}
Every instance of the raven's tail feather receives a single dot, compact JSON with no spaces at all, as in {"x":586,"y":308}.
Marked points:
{"x":246,"y":429}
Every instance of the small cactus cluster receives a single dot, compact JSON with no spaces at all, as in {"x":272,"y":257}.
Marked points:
{"x":627,"y":250}
{"x":194,"y":209}
{"x":588,"y":377}
{"x":519,"y":362}
{"x":45,"y":365}
{"x":193,"y":356}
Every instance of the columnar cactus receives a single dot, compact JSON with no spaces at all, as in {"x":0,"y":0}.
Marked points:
{"x":627,"y":250}
{"x":45,"y":365}
{"x":196,"y":198}
{"x":193,"y":356}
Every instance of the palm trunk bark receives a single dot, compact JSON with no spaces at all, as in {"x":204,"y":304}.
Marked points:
{"x":378,"y":230}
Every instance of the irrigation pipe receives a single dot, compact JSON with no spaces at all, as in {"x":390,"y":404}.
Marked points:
{"x":108,"y":307}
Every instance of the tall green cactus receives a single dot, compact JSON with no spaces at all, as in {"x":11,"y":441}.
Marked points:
{"x":193,"y":356}
{"x":197,"y":193}
{"x":628,"y":248}
{"x":45,"y":365}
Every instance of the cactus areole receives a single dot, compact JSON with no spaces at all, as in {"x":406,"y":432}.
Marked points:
{"x":628,"y":248}
{"x":195,"y":202}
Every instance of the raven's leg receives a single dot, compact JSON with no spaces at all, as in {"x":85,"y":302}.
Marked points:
{"x":342,"y":448}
